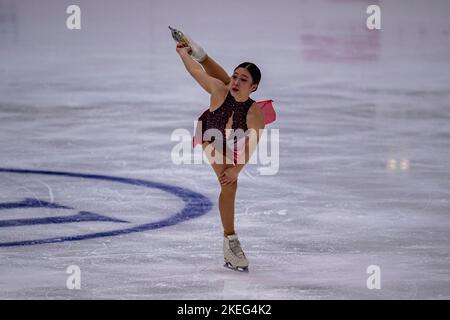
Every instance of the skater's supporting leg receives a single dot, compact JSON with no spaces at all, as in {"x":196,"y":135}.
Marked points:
{"x":215,"y":70}
{"x":226,"y":200}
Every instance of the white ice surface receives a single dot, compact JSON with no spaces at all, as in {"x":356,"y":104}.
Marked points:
{"x":364,"y":173}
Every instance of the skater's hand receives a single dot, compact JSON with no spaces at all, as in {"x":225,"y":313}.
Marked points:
{"x":229,"y":176}
{"x":182,"y":48}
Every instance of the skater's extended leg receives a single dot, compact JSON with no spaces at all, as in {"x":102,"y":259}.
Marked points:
{"x":211,"y":67}
{"x":215,"y":70}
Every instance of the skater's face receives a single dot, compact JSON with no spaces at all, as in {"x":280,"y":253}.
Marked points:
{"x":241,"y":84}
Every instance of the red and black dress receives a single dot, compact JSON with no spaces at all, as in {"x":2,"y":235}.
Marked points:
{"x":219,"y":118}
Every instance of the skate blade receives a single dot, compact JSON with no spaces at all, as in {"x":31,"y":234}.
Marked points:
{"x":239,"y":269}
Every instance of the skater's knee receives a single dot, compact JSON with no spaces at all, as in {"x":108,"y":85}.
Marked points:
{"x":228,"y":189}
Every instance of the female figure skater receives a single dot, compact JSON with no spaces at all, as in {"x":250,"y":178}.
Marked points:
{"x":230,"y":108}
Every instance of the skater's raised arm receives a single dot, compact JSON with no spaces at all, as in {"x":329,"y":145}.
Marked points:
{"x":207,"y":82}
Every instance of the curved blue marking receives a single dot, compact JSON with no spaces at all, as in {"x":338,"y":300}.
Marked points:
{"x":82,"y":216}
{"x":195,"y":205}
{"x":31,"y":203}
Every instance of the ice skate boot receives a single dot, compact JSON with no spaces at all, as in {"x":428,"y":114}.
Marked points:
{"x":233,"y":255}
{"x":197,"y":52}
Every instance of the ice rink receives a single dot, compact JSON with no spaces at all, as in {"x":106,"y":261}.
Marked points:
{"x":87,"y":180}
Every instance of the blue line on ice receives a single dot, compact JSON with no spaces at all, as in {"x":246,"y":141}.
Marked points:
{"x":195,"y":205}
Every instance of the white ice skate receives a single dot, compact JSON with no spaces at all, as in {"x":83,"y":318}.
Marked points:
{"x":197,"y":52}
{"x":233,"y":255}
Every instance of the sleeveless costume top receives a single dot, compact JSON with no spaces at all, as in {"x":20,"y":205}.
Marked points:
{"x":218,"y":119}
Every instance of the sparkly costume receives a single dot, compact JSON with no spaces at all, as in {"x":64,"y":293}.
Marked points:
{"x":219,"y":118}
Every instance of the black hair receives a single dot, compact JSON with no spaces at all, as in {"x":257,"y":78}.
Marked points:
{"x":254,"y":71}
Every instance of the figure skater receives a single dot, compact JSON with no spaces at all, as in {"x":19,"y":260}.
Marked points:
{"x":231,"y":110}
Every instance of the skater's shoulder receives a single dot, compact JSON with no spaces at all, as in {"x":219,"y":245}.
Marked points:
{"x":255,"y":114}
{"x":218,"y":88}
